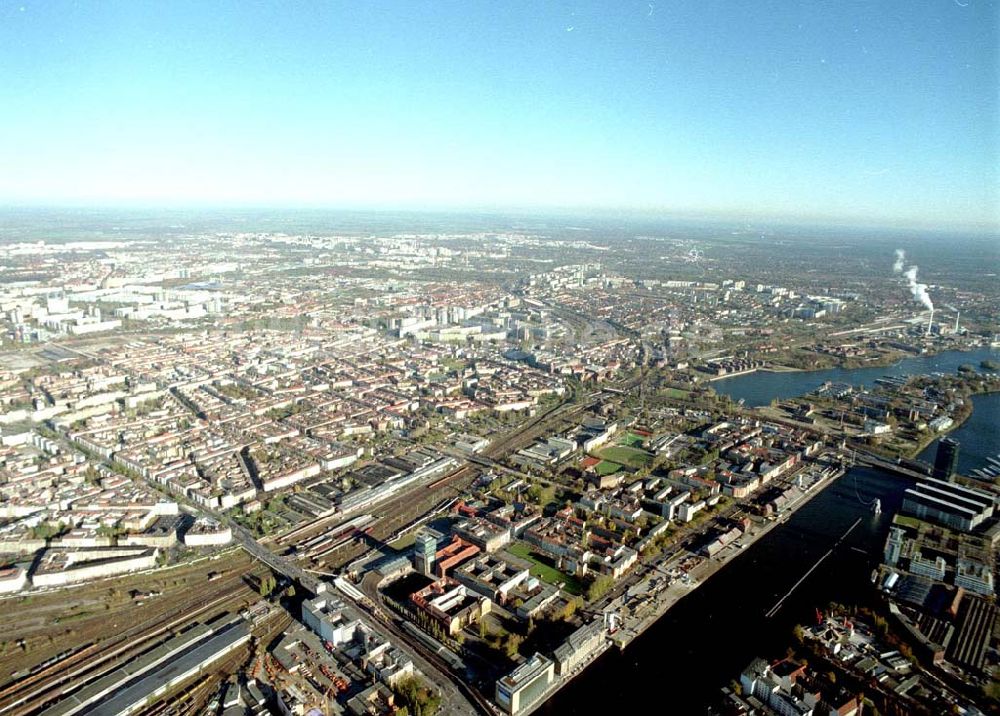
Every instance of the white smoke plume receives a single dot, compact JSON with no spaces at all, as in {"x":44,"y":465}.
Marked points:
{"x":918,"y":290}
{"x":897,"y":266}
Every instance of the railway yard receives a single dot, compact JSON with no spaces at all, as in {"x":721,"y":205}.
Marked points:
{"x":66,"y":633}
{"x":169,"y":640}
{"x":73,"y":646}
{"x":349,"y":542}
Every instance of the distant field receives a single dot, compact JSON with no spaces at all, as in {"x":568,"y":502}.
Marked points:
{"x":541,"y":567}
{"x":627,"y":456}
{"x":676,"y":393}
{"x":606,"y":467}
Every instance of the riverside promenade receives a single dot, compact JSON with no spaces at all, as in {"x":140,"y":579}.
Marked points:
{"x":670,"y":582}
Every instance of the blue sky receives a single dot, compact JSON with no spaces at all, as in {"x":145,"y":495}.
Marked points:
{"x":881,"y":111}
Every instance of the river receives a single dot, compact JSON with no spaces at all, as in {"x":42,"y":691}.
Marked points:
{"x":977,"y":436}
{"x":761,"y":387}
{"x":706,"y":639}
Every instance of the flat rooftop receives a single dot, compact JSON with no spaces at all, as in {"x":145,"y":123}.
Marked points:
{"x":939,"y":503}
{"x":126,"y":700}
{"x":527,"y":671}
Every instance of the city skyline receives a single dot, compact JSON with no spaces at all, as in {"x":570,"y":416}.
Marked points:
{"x":849,"y":113}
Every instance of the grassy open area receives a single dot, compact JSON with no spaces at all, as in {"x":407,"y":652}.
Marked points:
{"x":606,"y":467}
{"x":542,"y":567}
{"x":453,"y":364}
{"x":405,"y":541}
{"x":631,"y":440}
{"x":627,"y":456}
{"x":907,"y":521}
{"x":675,"y":393}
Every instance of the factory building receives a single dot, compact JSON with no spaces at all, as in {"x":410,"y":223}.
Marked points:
{"x":450,"y":604}
{"x":974,"y":577}
{"x":132,"y":686}
{"x":425,"y":550}
{"x":579,"y":646}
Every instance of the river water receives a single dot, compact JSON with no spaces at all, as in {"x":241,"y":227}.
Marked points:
{"x":707,"y":638}
{"x":977,"y":436}
{"x":760,"y":388}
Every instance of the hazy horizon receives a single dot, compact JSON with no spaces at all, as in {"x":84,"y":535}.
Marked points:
{"x":482,"y":216}
{"x":853,"y":113}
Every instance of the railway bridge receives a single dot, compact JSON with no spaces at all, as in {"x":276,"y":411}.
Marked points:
{"x":281,"y":565}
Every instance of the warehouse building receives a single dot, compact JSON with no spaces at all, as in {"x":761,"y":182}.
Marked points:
{"x":948,"y":504}
{"x":579,"y":646}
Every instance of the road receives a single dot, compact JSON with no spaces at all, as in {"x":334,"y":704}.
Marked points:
{"x":454,"y":693}
{"x":874,"y":460}
{"x":458,"y":696}
{"x":281,"y":565}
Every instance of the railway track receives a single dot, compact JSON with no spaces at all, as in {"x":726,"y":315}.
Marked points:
{"x":90,"y":662}
{"x":515,"y":440}
{"x":400,"y":510}
{"x":81,"y":667}
{"x":193,"y":699}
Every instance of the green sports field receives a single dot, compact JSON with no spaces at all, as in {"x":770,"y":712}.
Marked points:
{"x":606,"y":467}
{"x":627,"y":456}
{"x":541,"y":567}
{"x":631,"y":440}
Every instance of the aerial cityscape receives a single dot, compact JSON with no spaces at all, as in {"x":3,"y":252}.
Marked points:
{"x":418,"y":414}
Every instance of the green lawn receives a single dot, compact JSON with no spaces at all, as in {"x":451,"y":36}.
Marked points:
{"x":541,"y":567}
{"x":627,"y":456}
{"x":631,"y":440}
{"x":405,"y":541}
{"x":676,"y":393}
{"x":453,"y":364}
{"x":605,"y":467}
{"x":906,"y":521}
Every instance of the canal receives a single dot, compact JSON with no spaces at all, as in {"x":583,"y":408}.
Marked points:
{"x":679,"y":664}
